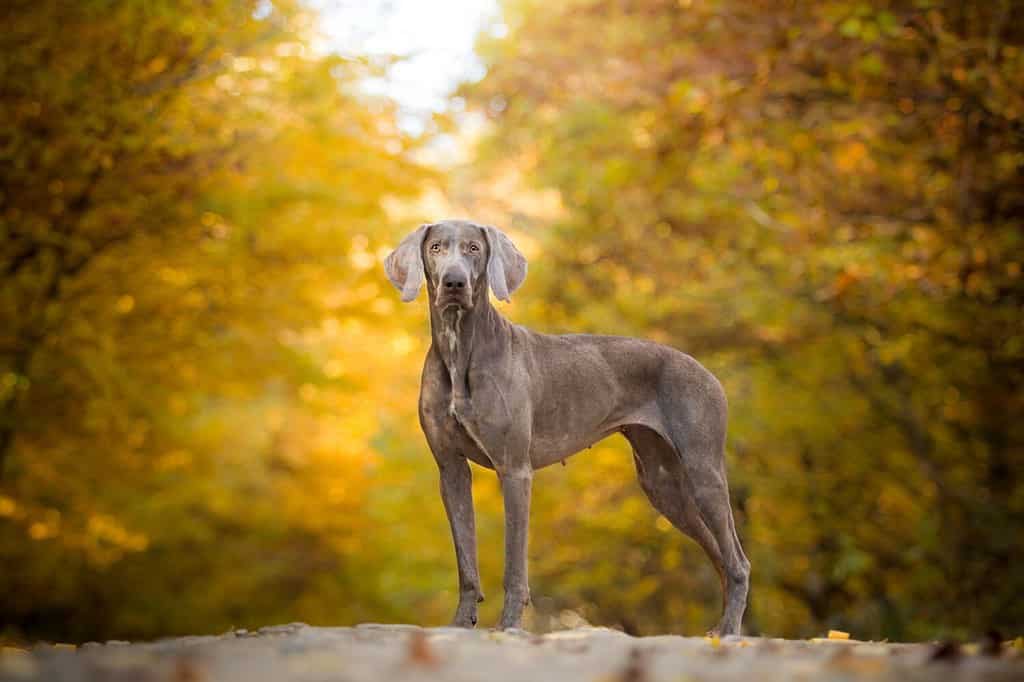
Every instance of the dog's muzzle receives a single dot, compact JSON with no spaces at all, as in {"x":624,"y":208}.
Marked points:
{"x":455,"y":289}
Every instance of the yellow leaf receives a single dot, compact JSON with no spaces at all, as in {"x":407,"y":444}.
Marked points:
{"x":157,"y":65}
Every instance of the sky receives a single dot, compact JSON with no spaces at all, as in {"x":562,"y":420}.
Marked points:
{"x":435,"y":36}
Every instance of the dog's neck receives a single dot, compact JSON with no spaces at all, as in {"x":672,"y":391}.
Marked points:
{"x":454,"y":334}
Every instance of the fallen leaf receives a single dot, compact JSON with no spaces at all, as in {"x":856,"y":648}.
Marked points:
{"x":185,"y":670}
{"x":420,"y":651}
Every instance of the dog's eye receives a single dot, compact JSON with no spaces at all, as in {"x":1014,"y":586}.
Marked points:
{"x":473,"y":248}
{"x":435,"y":247}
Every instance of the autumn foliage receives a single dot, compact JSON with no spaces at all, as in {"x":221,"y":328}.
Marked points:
{"x":207,"y":387}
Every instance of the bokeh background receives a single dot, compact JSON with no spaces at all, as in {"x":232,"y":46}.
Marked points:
{"x":208,"y":387}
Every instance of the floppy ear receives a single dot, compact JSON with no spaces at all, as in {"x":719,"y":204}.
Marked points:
{"x":506,"y":267}
{"x":404,"y":265}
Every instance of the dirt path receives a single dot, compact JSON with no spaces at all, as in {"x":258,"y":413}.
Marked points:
{"x":405,"y":652}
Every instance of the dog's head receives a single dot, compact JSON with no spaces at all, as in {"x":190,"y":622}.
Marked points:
{"x":460,"y":260}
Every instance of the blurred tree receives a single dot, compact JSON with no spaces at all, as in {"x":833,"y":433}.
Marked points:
{"x":194,"y":332}
{"x":823,"y":202}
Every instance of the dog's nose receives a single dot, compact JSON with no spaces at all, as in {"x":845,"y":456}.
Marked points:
{"x":453,"y":281}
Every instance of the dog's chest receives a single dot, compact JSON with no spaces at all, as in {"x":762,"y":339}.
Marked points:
{"x":461,"y":426}
{"x":461,"y":417}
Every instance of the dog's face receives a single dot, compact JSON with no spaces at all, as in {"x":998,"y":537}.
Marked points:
{"x":455,"y":261}
{"x":460,"y":259}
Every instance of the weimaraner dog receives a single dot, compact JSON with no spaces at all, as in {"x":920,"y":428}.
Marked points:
{"x":513,"y":400}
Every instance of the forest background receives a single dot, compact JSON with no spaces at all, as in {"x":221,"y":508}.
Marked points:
{"x":208,"y":387}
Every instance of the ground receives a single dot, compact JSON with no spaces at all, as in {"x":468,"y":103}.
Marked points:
{"x":407,"y":652}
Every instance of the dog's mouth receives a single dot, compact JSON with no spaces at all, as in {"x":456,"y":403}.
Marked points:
{"x":456,"y":300}
{"x":455,"y":305}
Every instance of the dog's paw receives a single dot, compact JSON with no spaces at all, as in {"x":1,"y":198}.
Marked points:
{"x":723,"y":631}
{"x":464,"y":622}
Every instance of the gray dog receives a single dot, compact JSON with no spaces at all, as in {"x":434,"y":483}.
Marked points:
{"x":514,"y":401}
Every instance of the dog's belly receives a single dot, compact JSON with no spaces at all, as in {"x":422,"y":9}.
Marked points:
{"x":545,"y":451}
{"x":550,"y":448}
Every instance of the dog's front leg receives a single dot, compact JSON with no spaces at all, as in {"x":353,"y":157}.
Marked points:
{"x":515,"y":489}
{"x":457,"y":494}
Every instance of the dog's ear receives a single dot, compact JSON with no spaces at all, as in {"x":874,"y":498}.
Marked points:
{"x":404,"y":265}
{"x":506,"y":267}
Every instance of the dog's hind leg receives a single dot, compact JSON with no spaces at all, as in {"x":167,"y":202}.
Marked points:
{"x":660,"y":473}
{"x":704,"y":482}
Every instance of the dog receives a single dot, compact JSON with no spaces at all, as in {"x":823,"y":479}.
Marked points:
{"x":514,"y":400}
